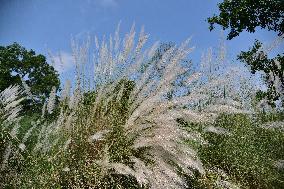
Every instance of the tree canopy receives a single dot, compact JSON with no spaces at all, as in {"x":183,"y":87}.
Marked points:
{"x":17,"y":64}
{"x":240,"y":15}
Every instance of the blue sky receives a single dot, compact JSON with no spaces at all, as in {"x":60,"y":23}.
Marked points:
{"x":49,"y":24}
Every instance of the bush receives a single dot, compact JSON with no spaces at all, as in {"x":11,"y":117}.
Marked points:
{"x":248,"y":153}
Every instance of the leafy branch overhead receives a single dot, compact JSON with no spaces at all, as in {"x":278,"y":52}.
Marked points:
{"x":240,"y":15}
{"x":273,"y":69}
{"x":247,"y":15}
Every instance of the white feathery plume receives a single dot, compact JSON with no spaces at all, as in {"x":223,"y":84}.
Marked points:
{"x":14,"y":131}
{"x":10,"y":101}
{"x":116,"y":38}
{"x":22,"y":147}
{"x":6,"y":156}
{"x":279,"y":164}
{"x":75,"y":98}
{"x":141,"y":41}
{"x":66,"y":91}
{"x":29,"y":132}
{"x":97,"y":42}
{"x":153,"y":49}
{"x":222,"y":50}
{"x":27,"y":89}
{"x":98,"y":135}
{"x":51,"y":100}
{"x":128,"y":43}
{"x":67,"y":143}
{"x":43,"y":109}
{"x":274,"y":125}
{"x":217,"y":130}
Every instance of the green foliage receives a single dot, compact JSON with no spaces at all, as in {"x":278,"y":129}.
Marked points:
{"x":16,"y":62}
{"x":269,"y":66}
{"x":248,"y":153}
{"x":240,"y":15}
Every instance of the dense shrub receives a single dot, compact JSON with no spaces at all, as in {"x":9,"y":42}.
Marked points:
{"x":247,"y":153}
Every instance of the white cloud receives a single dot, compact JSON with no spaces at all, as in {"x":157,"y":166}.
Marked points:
{"x":63,"y":62}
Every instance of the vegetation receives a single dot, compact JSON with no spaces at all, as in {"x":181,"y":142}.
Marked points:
{"x":19,"y":66}
{"x":239,"y":149}
{"x":240,"y":15}
{"x":144,"y":119}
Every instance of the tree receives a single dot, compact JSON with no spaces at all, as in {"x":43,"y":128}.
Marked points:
{"x":17,"y":64}
{"x":240,"y":15}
